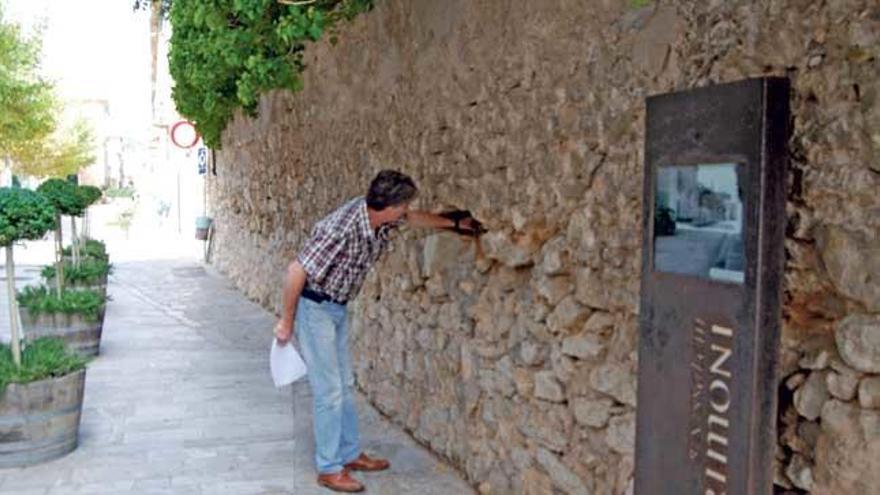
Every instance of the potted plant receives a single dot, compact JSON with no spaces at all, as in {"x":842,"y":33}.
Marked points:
{"x":89,"y":195}
{"x":77,"y":316}
{"x":64,"y":198}
{"x":85,"y":197}
{"x":89,"y":249}
{"x":90,"y":274}
{"x":85,"y":264}
{"x":42,"y":385}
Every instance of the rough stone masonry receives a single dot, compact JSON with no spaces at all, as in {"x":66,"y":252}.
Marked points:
{"x":518,"y":364}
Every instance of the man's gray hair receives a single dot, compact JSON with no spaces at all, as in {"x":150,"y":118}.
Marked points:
{"x":390,"y":188}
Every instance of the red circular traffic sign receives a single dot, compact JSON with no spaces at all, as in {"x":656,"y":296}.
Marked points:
{"x":187,"y":142}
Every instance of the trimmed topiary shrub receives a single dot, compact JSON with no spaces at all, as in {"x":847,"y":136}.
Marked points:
{"x":24,"y":215}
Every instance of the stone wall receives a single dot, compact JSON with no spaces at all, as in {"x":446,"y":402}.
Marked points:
{"x":516,"y":359}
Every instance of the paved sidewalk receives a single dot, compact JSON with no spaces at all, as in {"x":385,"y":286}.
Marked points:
{"x":180,"y":401}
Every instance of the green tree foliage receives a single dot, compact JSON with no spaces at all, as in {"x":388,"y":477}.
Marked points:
{"x":63,"y":195}
{"x":44,"y":358}
{"x":24,"y":215}
{"x":89,"y":195}
{"x":27,"y":102}
{"x":64,"y":153}
{"x":225,"y":54}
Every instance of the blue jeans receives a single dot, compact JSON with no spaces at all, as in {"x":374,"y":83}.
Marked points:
{"x":322,"y":331}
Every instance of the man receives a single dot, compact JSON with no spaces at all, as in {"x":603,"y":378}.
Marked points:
{"x":328,"y":273}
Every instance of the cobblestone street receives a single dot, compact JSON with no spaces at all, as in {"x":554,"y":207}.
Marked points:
{"x":180,"y":401}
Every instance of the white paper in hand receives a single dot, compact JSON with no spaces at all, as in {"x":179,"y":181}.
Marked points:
{"x":286,"y":364}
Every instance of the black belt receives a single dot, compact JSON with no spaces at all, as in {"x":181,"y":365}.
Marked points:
{"x":319,"y":297}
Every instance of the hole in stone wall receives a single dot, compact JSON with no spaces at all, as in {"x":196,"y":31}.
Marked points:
{"x":791,"y":225}
{"x":797,"y":160}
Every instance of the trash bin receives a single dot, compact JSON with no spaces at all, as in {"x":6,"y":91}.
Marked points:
{"x":203,"y":224}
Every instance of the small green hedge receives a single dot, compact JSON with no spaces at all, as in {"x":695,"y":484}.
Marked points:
{"x":89,"y":272}
{"x":43,"y":358}
{"x":90,"y":249}
{"x":42,"y":300}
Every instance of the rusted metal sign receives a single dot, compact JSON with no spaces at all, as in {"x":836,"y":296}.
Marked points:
{"x":714,"y":219}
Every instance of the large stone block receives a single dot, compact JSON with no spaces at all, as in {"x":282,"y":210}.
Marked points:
{"x":554,"y":289}
{"x":848,"y":451}
{"x":584,"y":346}
{"x":869,"y":392}
{"x":615,"y":380}
{"x":592,"y":412}
{"x":510,"y":253}
{"x":858,"y":341}
{"x":568,"y":314}
{"x":853,"y":263}
{"x":843,"y":385}
{"x":811,"y":396}
{"x":562,"y":477}
{"x":548,"y":388}
{"x":621,"y":434}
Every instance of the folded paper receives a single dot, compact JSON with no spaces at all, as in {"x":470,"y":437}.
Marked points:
{"x":286,"y":364}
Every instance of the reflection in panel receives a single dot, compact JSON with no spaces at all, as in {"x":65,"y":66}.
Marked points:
{"x":698,"y":221}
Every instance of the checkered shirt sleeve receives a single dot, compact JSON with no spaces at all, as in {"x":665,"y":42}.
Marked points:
{"x":320,"y":253}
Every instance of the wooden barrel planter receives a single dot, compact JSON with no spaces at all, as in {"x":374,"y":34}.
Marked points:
{"x":39,"y":421}
{"x":81,"y":335}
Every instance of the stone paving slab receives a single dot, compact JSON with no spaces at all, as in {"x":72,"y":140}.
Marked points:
{"x":180,"y":402}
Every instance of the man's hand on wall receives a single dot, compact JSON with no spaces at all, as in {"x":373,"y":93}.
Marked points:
{"x":470,"y":226}
{"x":464,"y":223}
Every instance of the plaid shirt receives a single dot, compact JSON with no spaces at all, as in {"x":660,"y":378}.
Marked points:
{"x":341,"y":250}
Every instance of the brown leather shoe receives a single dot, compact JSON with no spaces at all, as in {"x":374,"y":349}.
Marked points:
{"x":340,"y":482}
{"x":364,"y":463}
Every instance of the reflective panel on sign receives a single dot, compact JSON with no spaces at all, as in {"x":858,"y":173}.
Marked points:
{"x":698,"y":221}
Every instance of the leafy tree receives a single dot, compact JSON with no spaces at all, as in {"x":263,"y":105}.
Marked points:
{"x":65,"y":152}
{"x":27,"y":102}
{"x":87,"y":196}
{"x":24,"y":215}
{"x":63,"y":197}
{"x":224,"y":55}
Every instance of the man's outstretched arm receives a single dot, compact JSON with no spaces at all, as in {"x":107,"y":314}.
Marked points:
{"x":423,"y":219}
{"x":294,"y":282}
{"x":427,"y":220}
